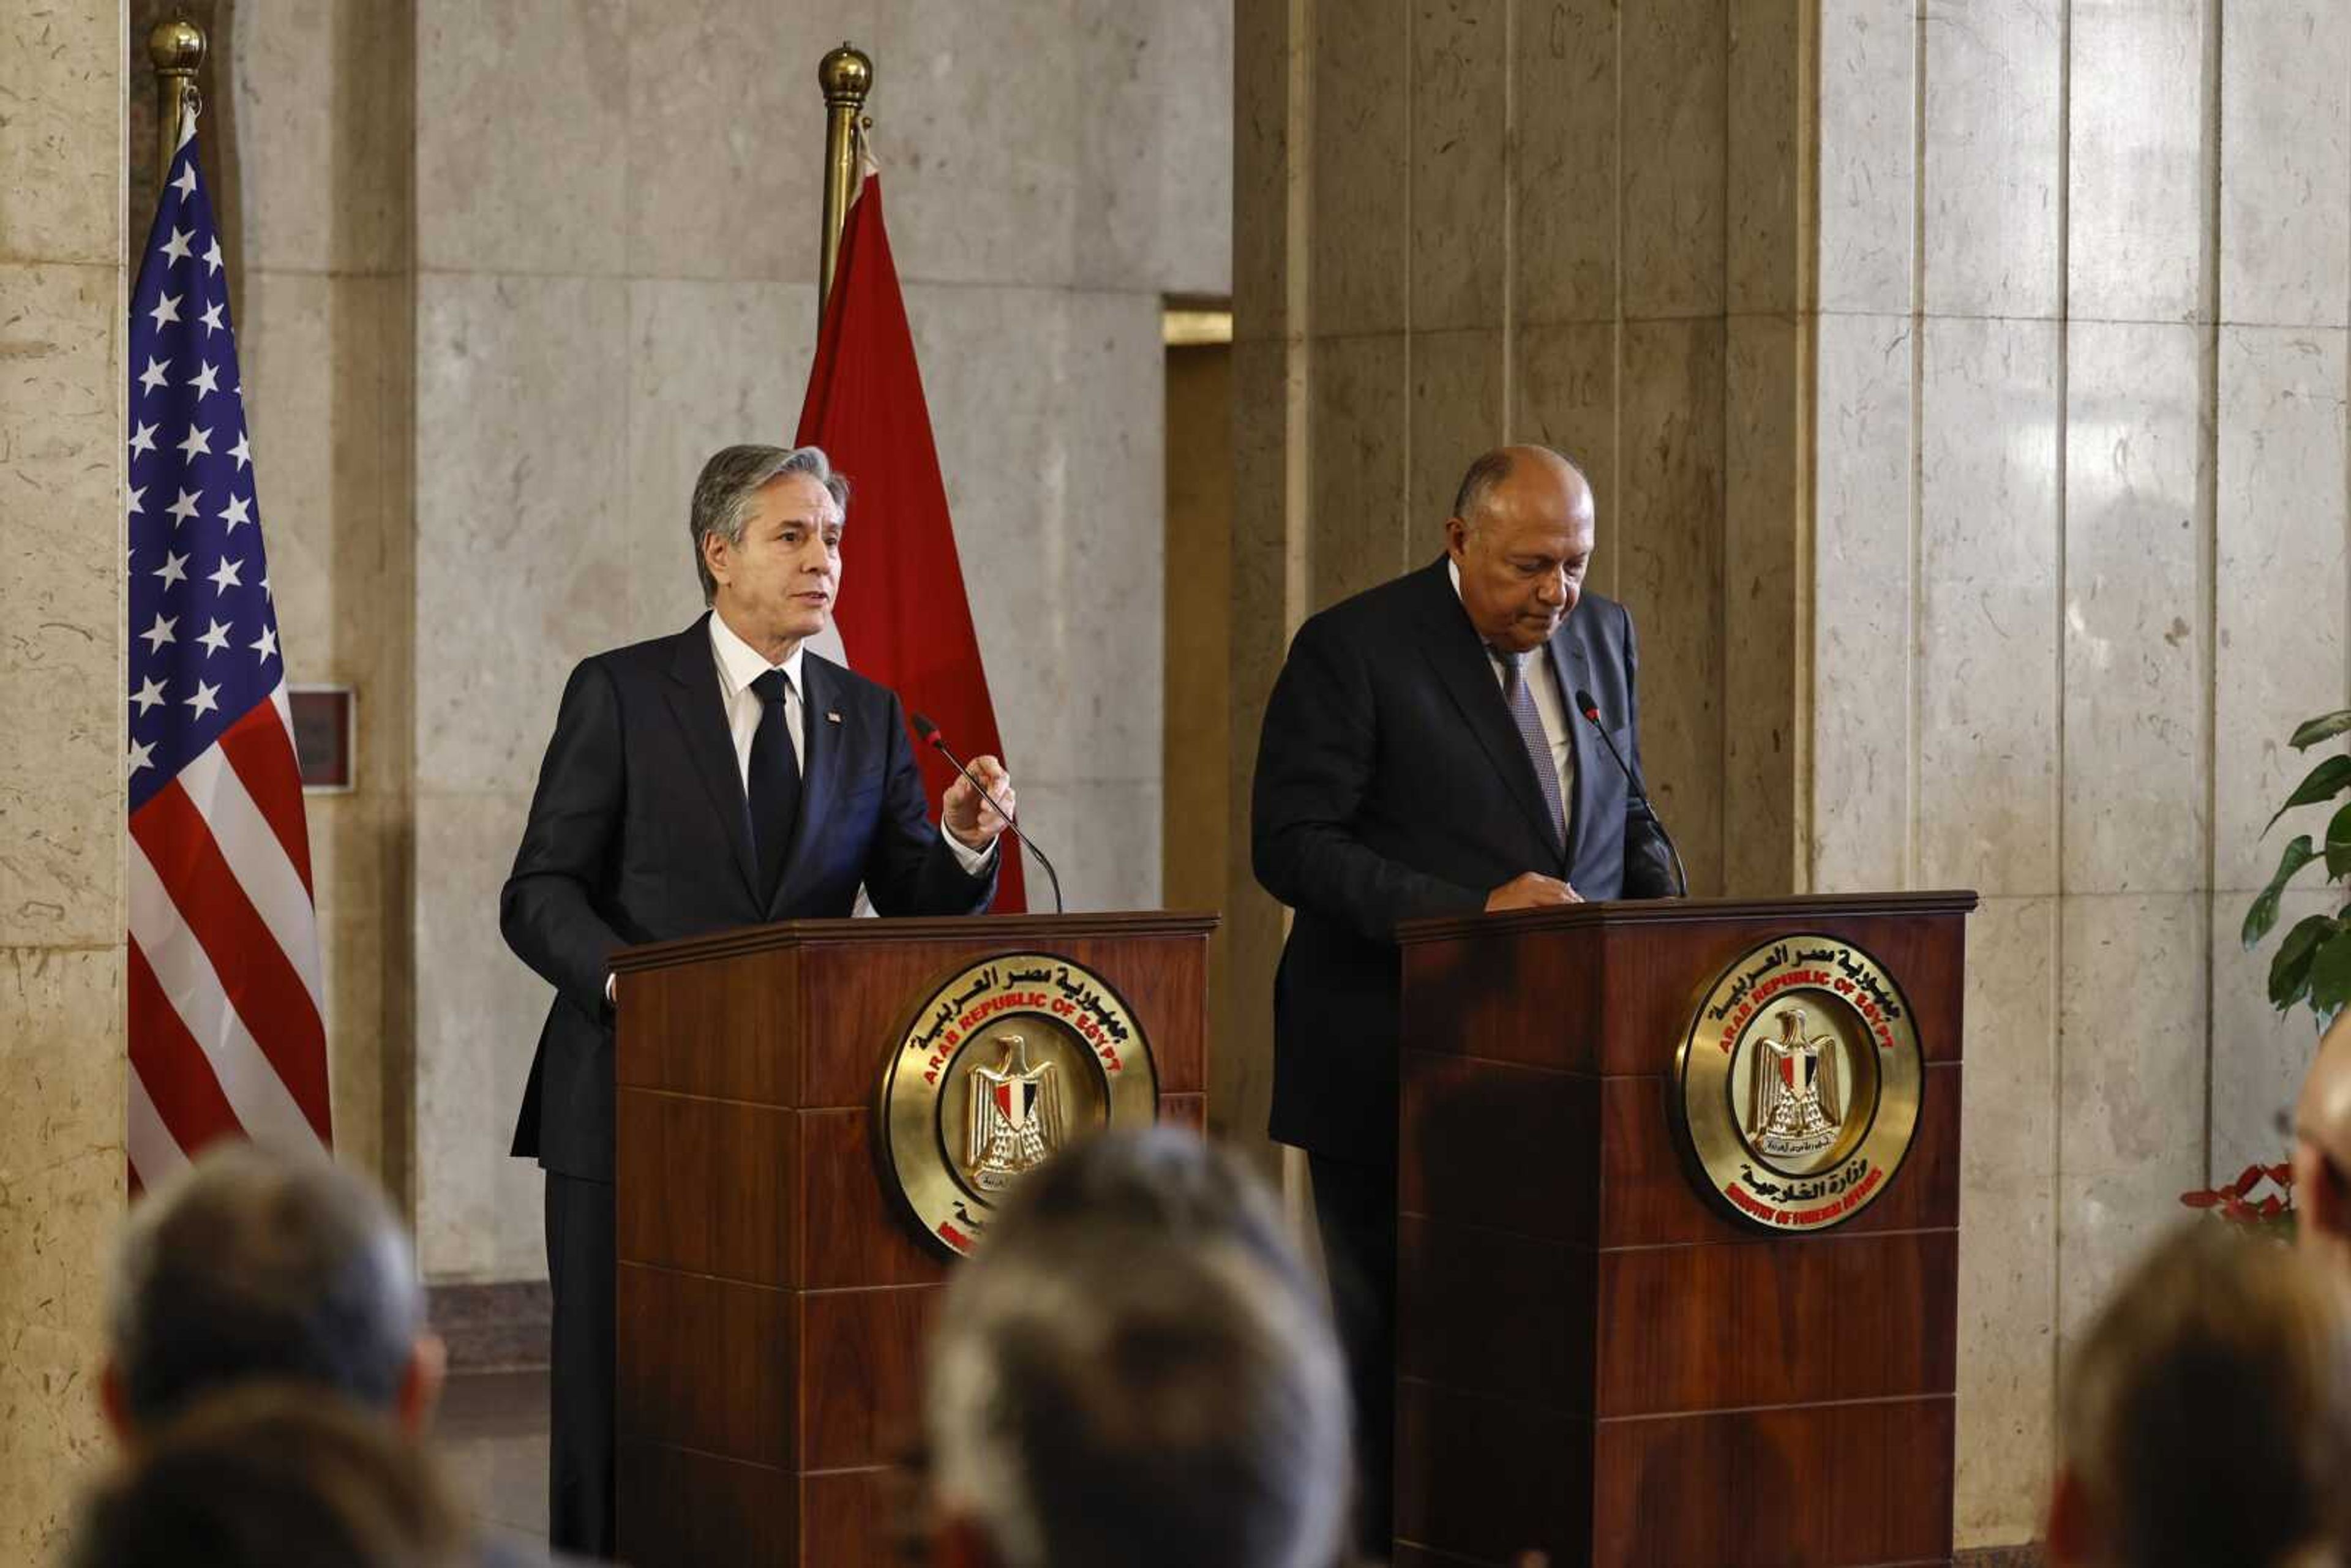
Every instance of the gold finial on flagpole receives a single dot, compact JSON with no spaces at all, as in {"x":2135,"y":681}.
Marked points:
{"x":176,"y":46}
{"x":847,"y":77}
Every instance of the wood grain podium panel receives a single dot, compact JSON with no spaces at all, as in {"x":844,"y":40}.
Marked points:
{"x":1592,"y":1359}
{"x":1748,"y":1487}
{"x":772,"y":1296}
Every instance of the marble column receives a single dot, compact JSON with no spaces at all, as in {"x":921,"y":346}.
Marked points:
{"x":62,"y":1163}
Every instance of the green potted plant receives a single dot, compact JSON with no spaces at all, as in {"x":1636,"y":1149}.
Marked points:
{"x":2312,"y":965}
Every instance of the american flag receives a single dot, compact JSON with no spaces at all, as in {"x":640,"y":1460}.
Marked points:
{"x":227,"y":1032}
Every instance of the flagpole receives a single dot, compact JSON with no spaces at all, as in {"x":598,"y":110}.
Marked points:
{"x":176,"y":46}
{"x":846,"y":76}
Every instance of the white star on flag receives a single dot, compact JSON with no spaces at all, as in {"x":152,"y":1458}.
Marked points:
{"x":142,"y":756}
{"x":148,"y":694}
{"x":183,"y":509}
{"x":151,"y":378}
{"x":235,"y":511}
{"x":225,"y":578}
{"x":158,"y":634}
{"x":213,"y":256}
{"x":214,"y":638}
{"x":211,"y":316}
{"x":133,"y":500}
{"x":167,"y":309}
{"x":206,"y":699}
{"x":240,"y":451}
{"x":187,"y":180}
{"x":177,"y":247}
{"x":174,"y":571}
{"x":199,"y":442}
{"x":267,"y":644}
{"x":142,"y":439}
{"x":207,"y":379}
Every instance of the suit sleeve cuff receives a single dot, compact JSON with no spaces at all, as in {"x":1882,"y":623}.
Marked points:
{"x":975,"y":863}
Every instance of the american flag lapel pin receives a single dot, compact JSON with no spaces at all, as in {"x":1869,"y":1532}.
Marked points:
{"x":831,"y":717}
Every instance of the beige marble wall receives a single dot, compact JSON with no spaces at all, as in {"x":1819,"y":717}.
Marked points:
{"x":2081,"y":458}
{"x":616,"y":220}
{"x":62,"y":375}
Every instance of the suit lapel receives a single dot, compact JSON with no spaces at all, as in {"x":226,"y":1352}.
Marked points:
{"x":701,"y":714}
{"x":1453,"y":650}
{"x":821,"y":747}
{"x":1572,"y":671}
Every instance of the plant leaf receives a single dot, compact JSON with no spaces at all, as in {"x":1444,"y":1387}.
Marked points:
{"x":2323,"y":728}
{"x":2338,"y":845}
{"x":2201,"y":1200}
{"x":2290,"y":970}
{"x":2282,"y":1174}
{"x":2265,"y":911}
{"x":2330,"y":974}
{"x":2321,"y":782}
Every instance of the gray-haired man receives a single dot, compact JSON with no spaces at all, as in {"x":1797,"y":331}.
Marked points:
{"x":1136,"y":1369}
{"x":254,"y":1273}
{"x":726,"y":776}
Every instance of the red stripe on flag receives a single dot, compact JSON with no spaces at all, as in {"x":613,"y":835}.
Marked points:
{"x":171,"y":1066}
{"x":259,"y":979}
{"x":262,"y":753}
{"x":905,"y":617}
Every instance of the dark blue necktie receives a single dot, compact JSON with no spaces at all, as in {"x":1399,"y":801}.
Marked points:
{"x":772,"y":799}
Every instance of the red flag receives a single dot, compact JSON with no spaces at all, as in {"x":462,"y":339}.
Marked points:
{"x":905,"y":619}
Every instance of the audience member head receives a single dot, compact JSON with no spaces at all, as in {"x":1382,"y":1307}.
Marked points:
{"x":2207,"y":1417}
{"x":1136,"y":1368}
{"x":254,"y":1266}
{"x":271,"y":1476}
{"x":2321,"y":1152}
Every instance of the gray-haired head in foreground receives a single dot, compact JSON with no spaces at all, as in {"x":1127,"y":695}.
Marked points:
{"x":255,"y":1266}
{"x":1136,"y":1369}
{"x":723,"y":495}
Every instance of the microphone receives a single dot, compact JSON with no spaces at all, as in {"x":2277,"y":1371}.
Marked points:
{"x":1591,"y":712}
{"x":932,"y":738}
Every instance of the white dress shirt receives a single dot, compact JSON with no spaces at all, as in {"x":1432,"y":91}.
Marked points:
{"x":1551,"y":705}
{"x":739,"y":665}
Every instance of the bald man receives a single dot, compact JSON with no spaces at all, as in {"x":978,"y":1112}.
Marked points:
{"x":1423,"y":755}
{"x":2322,"y":1152}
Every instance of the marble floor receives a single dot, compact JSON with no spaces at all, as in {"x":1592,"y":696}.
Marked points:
{"x":492,"y":1436}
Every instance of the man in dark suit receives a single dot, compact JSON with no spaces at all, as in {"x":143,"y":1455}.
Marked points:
{"x":1422,"y":755}
{"x":722,"y":777}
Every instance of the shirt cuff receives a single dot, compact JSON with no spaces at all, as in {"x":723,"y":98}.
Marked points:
{"x":974,"y":861}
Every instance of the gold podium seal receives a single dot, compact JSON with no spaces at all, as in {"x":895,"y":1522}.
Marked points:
{"x":1004,"y":1065}
{"x":1798,"y":1084}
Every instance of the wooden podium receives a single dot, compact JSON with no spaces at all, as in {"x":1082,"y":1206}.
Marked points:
{"x":772,"y":1295}
{"x":1594,"y":1359}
